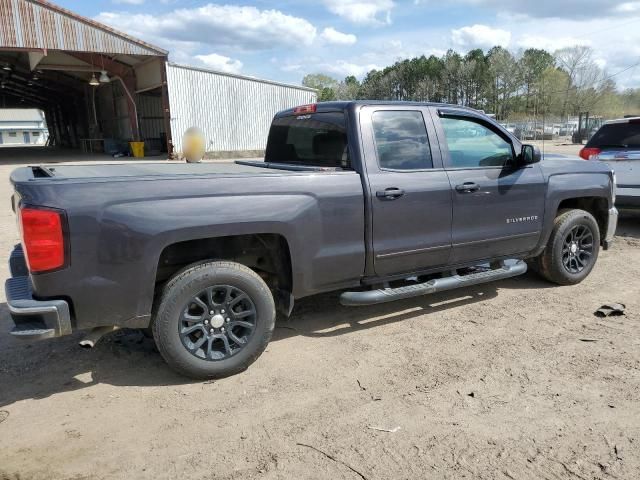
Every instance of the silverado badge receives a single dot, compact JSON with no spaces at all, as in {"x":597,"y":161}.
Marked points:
{"x":532,"y":218}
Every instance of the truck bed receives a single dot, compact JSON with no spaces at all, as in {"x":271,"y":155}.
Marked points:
{"x":97,"y":172}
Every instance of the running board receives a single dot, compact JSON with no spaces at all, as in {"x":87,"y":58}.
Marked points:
{"x":383,"y":295}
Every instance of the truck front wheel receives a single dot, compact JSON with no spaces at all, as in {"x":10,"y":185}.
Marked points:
{"x":214,"y":320}
{"x":572,"y":249}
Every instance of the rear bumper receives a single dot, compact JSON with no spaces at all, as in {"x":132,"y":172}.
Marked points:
{"x":612,"y":224}
{"x":625,"y":201}
{"x":628,"y":196}
{"x":33,"y":319}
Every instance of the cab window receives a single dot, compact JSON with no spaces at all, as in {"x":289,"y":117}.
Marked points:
{"x":401,"y":140}
{"x":472,"y":145}
{"x":319,"y":139}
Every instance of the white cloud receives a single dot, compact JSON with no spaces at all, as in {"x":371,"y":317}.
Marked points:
{"x":566,"y":9}
{"x":362,"y":11}
{"x":293,"y":67}
{"x":220,"y":63}
{"x":246,"y":28}
{"x":331,"y":35}
{"x":342,"y":68}
{"x":628,"y":7}
{"x":480,"y":36}
{"x":128,"y":2}
{"x":550,"y":43}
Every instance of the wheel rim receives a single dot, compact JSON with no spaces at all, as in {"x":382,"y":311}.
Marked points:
{"x":217,"y":323}
{"x":577,"y":249}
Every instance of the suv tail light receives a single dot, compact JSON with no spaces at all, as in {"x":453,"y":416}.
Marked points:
{"x":42,"y":238}
{"x":587,"y":152}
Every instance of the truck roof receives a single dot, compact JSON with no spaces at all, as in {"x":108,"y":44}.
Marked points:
{"x":623,"y":120}
{"x":345,"y":105}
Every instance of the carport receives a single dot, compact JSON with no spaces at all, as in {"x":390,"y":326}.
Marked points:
{"x":99,"y":88}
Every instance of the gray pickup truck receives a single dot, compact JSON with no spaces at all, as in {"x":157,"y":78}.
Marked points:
{"x":383,"y":201}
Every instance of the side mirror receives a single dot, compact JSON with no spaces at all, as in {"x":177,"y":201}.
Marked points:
{"x":530,"y":154}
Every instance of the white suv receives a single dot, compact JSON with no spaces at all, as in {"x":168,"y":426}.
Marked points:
{"x":617,"y":143}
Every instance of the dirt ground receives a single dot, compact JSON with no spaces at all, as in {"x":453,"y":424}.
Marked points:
{"x":512,"y":380}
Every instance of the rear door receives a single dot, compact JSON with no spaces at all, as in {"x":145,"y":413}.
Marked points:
{"x":498,"y":207}
{"x":410,"y":194}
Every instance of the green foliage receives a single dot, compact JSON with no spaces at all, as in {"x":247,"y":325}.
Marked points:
{"x":534,"y":82}
{"x":324,"y":84}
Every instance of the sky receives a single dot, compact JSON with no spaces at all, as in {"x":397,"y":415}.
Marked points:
{"x":284,"y":40}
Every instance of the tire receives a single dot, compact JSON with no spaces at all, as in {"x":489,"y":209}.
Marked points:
{"x":201,"y":345}
{"x":561,"y":262}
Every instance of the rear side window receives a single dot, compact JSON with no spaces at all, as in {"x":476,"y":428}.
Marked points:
{"x":401,"y":140}
{"x":617,"y":135}
{"x":319,"y":139}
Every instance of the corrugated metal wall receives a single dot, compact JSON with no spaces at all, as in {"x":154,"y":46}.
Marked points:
{"x":150,"y":116}
{"x":36,"y":24}
{"x":234,"y":112}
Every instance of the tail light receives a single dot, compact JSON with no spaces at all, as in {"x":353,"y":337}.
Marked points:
{"x":587,"y":152}
{"x":42,"y":238}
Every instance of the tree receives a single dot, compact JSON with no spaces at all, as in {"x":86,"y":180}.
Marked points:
{"x":348,"y":89}
{"x":534,"y":83}
{"x":532,"y":65}
{"x":451,"y":76}
{"x":551,"y":87}
{"x":324,"y":84}
{"x":504,"y":80}
{"x":583,"y":74}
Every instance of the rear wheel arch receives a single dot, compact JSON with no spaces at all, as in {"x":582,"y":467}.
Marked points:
{"x":267,"y":254}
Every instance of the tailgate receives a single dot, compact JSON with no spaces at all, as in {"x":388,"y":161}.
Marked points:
{"x":626,"y":164}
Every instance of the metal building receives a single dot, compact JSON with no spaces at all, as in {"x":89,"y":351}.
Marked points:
{"x":100,"y":88}
{"x":88,"y":78}
{"x":233,"y":111}
{"x":19,"y":127}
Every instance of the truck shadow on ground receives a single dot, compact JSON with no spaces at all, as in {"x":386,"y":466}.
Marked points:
{"x":36,"y":370}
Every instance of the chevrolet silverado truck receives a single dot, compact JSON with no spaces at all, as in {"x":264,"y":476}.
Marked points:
{"x":383,"y":201}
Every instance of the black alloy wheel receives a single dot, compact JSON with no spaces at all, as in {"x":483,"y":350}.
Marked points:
{"x":577,"y":252}
{"x":213,"y":319}
{"x":217,"y":322}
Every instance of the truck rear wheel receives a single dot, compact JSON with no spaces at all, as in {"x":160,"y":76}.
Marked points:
{"x":214,"y":320}
{"x":572,"y":249}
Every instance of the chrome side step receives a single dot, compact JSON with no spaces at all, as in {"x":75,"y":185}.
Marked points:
{"x":508,"y":268}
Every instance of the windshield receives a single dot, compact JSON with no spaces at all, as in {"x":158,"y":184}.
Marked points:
{"x":319,"y":139}
{"x":617,"y":135}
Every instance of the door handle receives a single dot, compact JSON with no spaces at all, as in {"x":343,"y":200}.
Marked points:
{"x":467,"y":187}
{"x":390,"y":193}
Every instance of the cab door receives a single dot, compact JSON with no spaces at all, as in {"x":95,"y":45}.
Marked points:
{"x":409,"y":192}
{"x":498,"y":204}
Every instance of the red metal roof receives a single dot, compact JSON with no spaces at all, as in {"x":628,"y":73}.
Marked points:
{"x":38,"y":24}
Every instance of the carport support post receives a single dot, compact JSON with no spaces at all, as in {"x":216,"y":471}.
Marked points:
{"x":129,"y":85}
{"x":166,"y":111}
